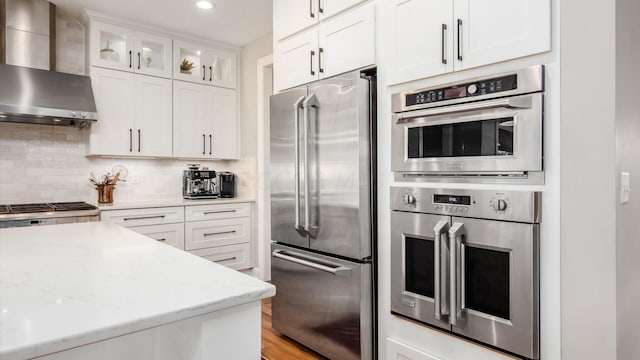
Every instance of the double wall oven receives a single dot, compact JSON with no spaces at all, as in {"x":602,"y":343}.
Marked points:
{"x":466,"y":261}
{"x":475,"y":129}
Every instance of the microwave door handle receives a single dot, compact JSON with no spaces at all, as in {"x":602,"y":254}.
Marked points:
{"x":456,"y":232}
{"x":523,"y":102}
{"x":309,"y":103}
{"x":440,"y":228}
{"x":296,"y":129}
{"x":312,"y":262}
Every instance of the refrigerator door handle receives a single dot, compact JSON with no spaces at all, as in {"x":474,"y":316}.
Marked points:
{"x":310,"y":102}
{"x":312,"y":262}
{"x":296,"y":128}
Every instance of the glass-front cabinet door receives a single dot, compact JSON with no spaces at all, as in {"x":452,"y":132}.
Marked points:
{"x":189,"y":62}
{"x":111,"y":46}
{"x":221,"y":68}
{"x":152,"y":55}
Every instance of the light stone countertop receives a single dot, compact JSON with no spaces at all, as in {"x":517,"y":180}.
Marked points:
{"x":63,"y":286}
{"x":140,"y":204}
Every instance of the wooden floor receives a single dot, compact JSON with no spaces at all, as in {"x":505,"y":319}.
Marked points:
{"x":276,"y":346}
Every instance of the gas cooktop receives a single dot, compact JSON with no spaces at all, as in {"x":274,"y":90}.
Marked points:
{"x":44,"y":207}
{"x":44,"y":213}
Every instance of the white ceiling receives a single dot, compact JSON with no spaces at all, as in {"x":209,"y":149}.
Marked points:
{"x":235,"y":22}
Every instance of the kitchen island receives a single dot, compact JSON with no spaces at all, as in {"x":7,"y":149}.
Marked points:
{"x":100,"y":291}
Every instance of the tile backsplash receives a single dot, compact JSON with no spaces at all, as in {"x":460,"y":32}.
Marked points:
{"x":45,"y":163}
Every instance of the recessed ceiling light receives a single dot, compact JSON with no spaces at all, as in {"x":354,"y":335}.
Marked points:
{"x":204,"y":4}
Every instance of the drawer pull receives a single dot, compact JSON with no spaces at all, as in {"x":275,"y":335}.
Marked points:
{"x":227,"y":259}
{"x":220,"y":233}
{"x":163,"y":239}
{"x":218,"y":212}
{"x":145,"y":217}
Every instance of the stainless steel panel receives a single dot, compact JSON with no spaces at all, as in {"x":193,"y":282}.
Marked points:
{"x":404,"y":302}
{"x":329,"y":313}
{"x":28,"y":15}
{"x":520,"y":333}
{"x":527,"y":112}
{"x":340,"y":162}
{"x":40,"y":96}
{"x":27,"y":49}
{"x":283,"y":168}
{"x":521,"y":206}
{"x":530,"y":80}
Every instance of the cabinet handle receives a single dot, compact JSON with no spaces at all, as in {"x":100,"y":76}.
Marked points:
{"x":227,"y":259}
{"x":218,"y":212}
{"x":130,"y":58}
{"x":210,"y":73}
{"x":444,"y":39}
{"x":321,"y":51}
{"x":459,"y":39}
{"x":139,"y":140}
{"x":163,"y":239}
{"x":311,"y":14}
{"x":204,"y":144}
{"x":144,"y":217}
{"x":138,"y":60}
{"x":312,"y":54}
{"x":204,"y":73}
{"x":320,"y":9}
{"x":220,"y":233}
{"x":130,"y":140}
{"x":210,"y":143}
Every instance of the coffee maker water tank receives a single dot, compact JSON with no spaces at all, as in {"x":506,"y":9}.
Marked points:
{"x":227,"y":184}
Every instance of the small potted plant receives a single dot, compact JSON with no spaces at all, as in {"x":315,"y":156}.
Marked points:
{"x":186,"y":66}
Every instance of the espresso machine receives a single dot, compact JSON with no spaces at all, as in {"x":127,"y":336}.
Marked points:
{"x":199,"y":183}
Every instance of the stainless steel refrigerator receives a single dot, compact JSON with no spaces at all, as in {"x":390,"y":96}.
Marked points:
{"x":323,"y":215}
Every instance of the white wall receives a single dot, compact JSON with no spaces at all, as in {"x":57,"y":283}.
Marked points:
{"x":587,"y":186}
{"x":628,"y":160}
{"x":439,"y":344}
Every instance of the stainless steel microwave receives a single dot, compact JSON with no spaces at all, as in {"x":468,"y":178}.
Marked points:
{"x":482,"y":128}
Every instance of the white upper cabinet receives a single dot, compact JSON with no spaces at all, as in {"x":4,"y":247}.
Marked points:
{"x":291,"y":16}
{"x":205,"y":124}
{"x":123,"y":48}
{"x":328,"y":8}
{"x":296,"y":60}
{"x":345,"y":42}
{"x":433,"y":37}
{"x":491,"y":31}
{"x":199,"y":64}
{"x":134,"y":114}
{"x":422,"y":39}
{"x":341,"y":35}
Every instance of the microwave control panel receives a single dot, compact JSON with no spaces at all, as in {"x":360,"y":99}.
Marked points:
{"x":476,"y":88}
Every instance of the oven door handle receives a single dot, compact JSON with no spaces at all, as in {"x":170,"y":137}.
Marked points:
{"x":522,"y":102}
{"x":310,"y":103}
{"x":312,"y":262}
{"x":456,"y":273}
{"x":296,"y":129}
{"x":441,"y":307}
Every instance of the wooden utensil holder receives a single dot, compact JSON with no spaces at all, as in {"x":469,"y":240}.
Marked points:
{"x":105,"y":193}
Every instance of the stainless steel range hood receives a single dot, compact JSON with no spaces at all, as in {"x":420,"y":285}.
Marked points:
{"x":29,"y":92}
{"x":45,"y":97}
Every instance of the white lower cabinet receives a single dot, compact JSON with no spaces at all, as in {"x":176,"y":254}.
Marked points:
{"x":204,"y":234}
{"x":170,"y":234}
{"x":144,"y":216}
{"x":399,"y":351}
{"x":236,"y":257}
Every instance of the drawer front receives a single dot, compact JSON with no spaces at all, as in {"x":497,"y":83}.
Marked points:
{"x":237,"y":256}
{"x":205,"y":234}
{"x":218,"y":211}
{"x":170,"y":234}
{"x":147,"y":216}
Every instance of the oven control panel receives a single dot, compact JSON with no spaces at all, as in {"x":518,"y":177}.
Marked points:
{"x":522,"y":206}
{"x":465,"y":90}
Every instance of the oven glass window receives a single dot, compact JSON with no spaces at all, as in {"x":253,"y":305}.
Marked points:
{"x":419,"y":271}
{"x":475,"y":138}
{"x":487,"y":281}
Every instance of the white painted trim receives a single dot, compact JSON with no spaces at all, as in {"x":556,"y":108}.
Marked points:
{"x":263,"y":190}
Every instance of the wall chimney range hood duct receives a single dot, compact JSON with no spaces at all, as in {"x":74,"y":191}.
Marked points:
{"x":29,"y":91}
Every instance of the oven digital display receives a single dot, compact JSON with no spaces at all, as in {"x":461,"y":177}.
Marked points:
{"x":454,"y":93}
{"x":452,"y":199}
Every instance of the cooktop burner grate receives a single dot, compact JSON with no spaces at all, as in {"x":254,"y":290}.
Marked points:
{"x":29,"y":208}
{"x":40,"y":208}
{"x":72,"y":206}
